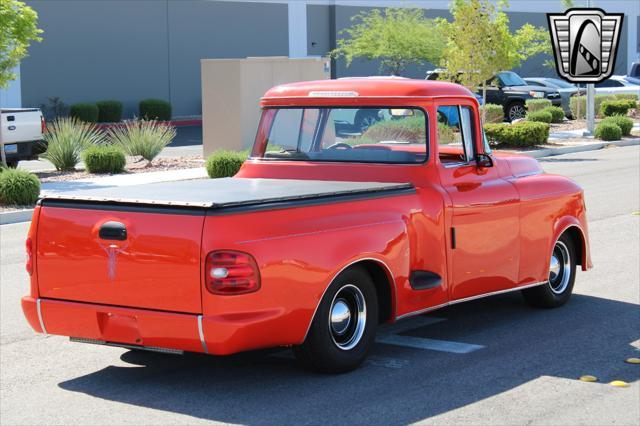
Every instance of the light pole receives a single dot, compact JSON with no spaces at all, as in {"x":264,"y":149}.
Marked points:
{"x":591,"y":92}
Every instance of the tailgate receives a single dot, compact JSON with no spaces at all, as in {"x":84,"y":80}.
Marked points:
{"x":156,"y":265}
{"x":21,"y":126}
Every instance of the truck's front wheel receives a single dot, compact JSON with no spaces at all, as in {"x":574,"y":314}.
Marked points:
{"x":344,"y":325}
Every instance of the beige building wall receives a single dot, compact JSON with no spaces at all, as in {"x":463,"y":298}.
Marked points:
{"x":231,"y":92}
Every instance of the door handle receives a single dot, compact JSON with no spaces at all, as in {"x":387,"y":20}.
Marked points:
{"x":113,"y":231}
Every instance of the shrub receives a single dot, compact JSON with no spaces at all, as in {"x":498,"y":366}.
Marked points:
{"x":18,"y":187}
{"x":608,"y":131}
{"x":109,"y":111}
{"x":537,"y":104}
{"x":66,"y":139}
{"x":85,"y":112}
{"x":625,"y":123}
{"x":616,"y":107}
{"x":541,"y":116}
{"x":493,"y":113}
{"x":557,"y":114}
{"x":224,"y":163}
{"x":523,"y":133}
{"x":582,"y":102}
{"x":410,"y":129}
{"x":446,"y":134}
{"x":142,"y":138}
{"x":155,"y":109}
{"x":104,"y":159}
{"x":626,"y":96}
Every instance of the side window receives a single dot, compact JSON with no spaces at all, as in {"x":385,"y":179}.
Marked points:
{"x":468,"y":132}
{"x":286,"y":128}
{"x":455,"y":134}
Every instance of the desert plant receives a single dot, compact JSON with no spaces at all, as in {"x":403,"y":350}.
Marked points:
{"x":579,"y":104}
{"x":410,"y":129}
{"x":54,"y":108}
{"x":608,"y":131}
{"x":104,"y":159}
{"x":155,"y":109}
{"x":557,"y":114}
{"x":142,"y":138}
{"x":66,"y":138}
{"x":616,"y":107}
{"x":537,"y":104}
{"x":224,"y":163}
{"x":446,"y":134}
{"x":84,"y":112}
{"x":625,"y":123}
{"x":493,"y":113}
{"x":541,"y":116}
{"x":109,"y":111}
{"x":18,"y":187}
{"x":522,"y":134}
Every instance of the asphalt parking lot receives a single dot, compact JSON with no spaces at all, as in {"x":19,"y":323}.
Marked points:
{"x":492,"y":361}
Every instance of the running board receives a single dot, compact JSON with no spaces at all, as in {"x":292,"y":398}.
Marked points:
{"x":127,"y":346}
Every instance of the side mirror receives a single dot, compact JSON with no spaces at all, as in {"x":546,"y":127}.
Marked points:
{"x":484,"y":161}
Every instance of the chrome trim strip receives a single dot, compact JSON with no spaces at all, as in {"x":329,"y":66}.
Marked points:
{"x":468,"y":299}
{"x":39,"y":309}
{"x":393,"y":282}
{"x":201,"y":333}
{"x":127,"y":346}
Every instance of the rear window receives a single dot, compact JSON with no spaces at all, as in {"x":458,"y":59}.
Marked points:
{"x":368,"y":135}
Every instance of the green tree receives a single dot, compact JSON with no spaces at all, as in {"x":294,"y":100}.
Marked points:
{"x":480,"y":43}
{"x":395,"y":36}
{"x":18,"y":28}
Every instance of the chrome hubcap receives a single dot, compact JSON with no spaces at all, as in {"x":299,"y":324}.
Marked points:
{"x":559,"y":268}
{"x":347,"y":317}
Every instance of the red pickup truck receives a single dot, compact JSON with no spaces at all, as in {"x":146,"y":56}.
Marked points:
{"x":330,"y":228}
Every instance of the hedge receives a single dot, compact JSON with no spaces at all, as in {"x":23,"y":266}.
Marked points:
{"x":625,"y":123}
{"x":109,"y":111}
{"x":616,"y":107}
{"x":224,"y":163}
{"x":557,"y":114}
{"x":537,"y":104}
{"x":523,"y":133}
{"x":104,"y":159}
{"x":541,"y":116}
{"x":18,"y":187}
{"x":493,"y":113}
{"x":627,"y":96}
{"x":155,"y":109}
{"x":608,"y":131}
{"x":84,"y":112}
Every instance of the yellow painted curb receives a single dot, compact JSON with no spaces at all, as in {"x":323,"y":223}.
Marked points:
{"x":588,"y":378}
{"x":619,"y":384}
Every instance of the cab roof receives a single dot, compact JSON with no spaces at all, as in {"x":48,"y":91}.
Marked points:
{"x":370,"y":87}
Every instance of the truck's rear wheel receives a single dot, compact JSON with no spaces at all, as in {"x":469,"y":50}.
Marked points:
{"x":344,"y":325}
{"x":562,"y":274}
{"x":12,"y":164}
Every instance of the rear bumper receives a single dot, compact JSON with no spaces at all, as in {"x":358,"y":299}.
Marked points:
{"x":219,"y":335}
{"x":26,"y":150}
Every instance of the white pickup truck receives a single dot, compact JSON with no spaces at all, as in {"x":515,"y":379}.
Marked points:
{"x":21,"y":132}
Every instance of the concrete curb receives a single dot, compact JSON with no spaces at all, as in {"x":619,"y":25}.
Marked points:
{"x":16,"y":216}
{"x":25,"y":215}
{"x":551,"y":152}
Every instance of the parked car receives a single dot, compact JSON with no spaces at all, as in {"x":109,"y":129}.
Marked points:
{"x":509,"y":90}
{"x":617,"y":84}
{"x":634,"y":71}
{"x":565,"y":89}
{"x":21,"y":132}
{"x":317,"y":240}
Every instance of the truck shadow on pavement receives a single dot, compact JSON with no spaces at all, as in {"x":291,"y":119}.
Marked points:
{"x":398,"y":385}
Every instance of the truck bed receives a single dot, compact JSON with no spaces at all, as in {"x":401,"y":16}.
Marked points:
{"x":226,"y":193}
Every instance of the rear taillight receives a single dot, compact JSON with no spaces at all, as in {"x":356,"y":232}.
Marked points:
{"x":43,"y":124}
{"x":29,"y":247}
{"x":231,"y":272}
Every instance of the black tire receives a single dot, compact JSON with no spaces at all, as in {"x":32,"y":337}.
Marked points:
{"x":556,"y":292}
{"x":322,"y":351}
{"x":515,"y":110}
{"x":12,"y":164}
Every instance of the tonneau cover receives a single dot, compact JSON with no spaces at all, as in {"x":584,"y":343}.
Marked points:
{"x":226,"y":192}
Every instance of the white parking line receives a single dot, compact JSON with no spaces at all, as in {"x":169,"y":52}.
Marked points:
{"x":426,"y":343}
